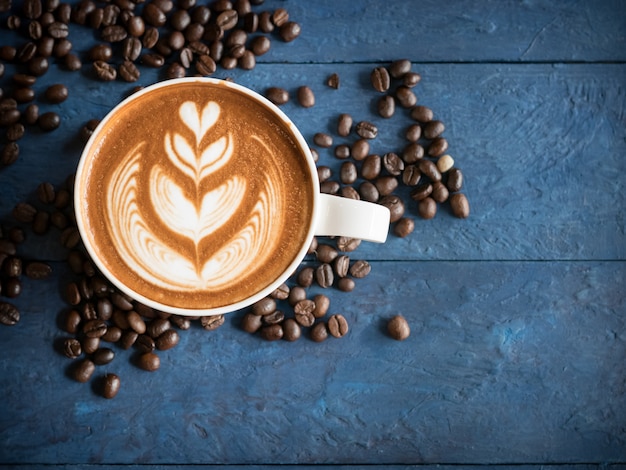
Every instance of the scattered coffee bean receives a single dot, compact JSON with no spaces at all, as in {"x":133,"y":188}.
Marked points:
{"x":333,"y":81}
{"x":149,"y":362}
{"x":323,"y":140}
{"x":429,"y":169}
{"x":344,"y":125}
{"x":277,"y":95}
{"x":272,"y":332}
{"x":324,"y":275}
{"x":438,"y":147}
{"x":103,"y":356}
{"x":427,"y":208}
{"x":360,"y":269}
{"x":212,"y":322}
{"x":251,"y":323}
{"x":404,"y":227}
{"x":440,"y":192}
{"x":291,"y":330}
{"x":38,"y":270}
{"x":366,"y":130}
{"x":455,"y":180}
{"x":49,"y":121}
{"x":380,"y":79}
{"x":72,"y":348}
{"x":398,"y":328}
{"x":395,"y":205}
{"x":371,"y":167}
{"x":167,"y":340}
{"x":264,"y":306}
{"x":305,"y":277}
{"x":386,"y":106}
{"x":319,"y":332}
{"x":290,"y":31}
{"x":9,"y":314}
{"x":273,"y":318}
{"x":459,"y":205}
{"x":405,"y":96}
{"x":104,"y":71}
{"x":306,"y":97}
{"x":445,"y":163}
{"x":346,"y":284}
{"x":360,"y":149}
{"x":337,"y":326}
{"x":110,"y":385}
{"x":399,"y":68}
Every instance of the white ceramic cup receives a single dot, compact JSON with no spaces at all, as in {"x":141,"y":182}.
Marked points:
{"x":331,"y":215}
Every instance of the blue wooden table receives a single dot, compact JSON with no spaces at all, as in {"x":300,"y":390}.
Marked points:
{"x":517,"y":353}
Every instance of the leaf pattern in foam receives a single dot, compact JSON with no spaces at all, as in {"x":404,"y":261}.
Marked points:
{"x":140,"y":248}
{"x":184,"y":216}
{"x":199,"y":122}
{"x":186,"y":159}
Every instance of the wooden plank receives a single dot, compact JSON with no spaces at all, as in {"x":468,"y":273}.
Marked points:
{"x":508,"y":362}
{"x":543,"y":176}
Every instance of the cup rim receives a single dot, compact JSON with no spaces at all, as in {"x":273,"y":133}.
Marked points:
{"x":195,"y":312}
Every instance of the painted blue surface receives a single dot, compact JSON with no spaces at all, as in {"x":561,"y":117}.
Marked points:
{"x":518,"y":314}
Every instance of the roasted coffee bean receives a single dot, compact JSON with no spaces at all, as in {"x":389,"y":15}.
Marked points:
{"x":184,"y":323}
{"x":324,"y":173}
{"x":305,"y":318}
{"x":227,"y":19}
{"x":113,"y":334}
{"x":71,"y":321}
{"x":14,"y":22}
{"x":348,"y":173}
{"x":324,"y":275}
{"x":325,"y":253}
{"x":360,"y":149}
{"x":395,"y":206}
{"x":380,"y":79}
{"x":101,"y":52}
{"x":296,"y":294}
{"x":273,"y":318}
{"x":157,"y":327}
{"x":260,"y":45}
{"x":280,"y":17}
{"x":83,"y":370}
{"x":10,"y":153}
{"x":247,"y":61}
{"x":291,"y":330}
{"x":265,"y":22}
{"x":193,"y":32}
{"x":70,"y":237}
{"x":412,"y":153}
{"x":145,"y":344}
{"x":330,"y":187}
{"x":110,"y":385}
{"x":129,"y":71}
{"x":104,"y":71}
{"x":72,"y":348}
{"x":337,"y":326}
{"x":360,"y":269}
{"x":185,"y":57}
{"x":433,"y":129}
{"x":136,"y":26}
{"x":72,"y":62}
{"x":9,"y":314}
{"x":251,"y":323}
{"x":149,"y":362}
{"x":323,"y":140}
{"x":399,"y":68}
{"x":9,"y":117}
{"x":445,"y":163}
{"x":135,"y":322}
{"x":272,"y":332}
{"x":455,"y":180}
{"x":95,"y":328}
{"x":24,"y":212}
{"x":438,"y":147}
{"x":440,"y":192}
{"x":131,"y":48}
{"x":290,"y":31}
{"x":305,"y":277}
{"x":41,"y":222}
{"x":11,"y":287}
{"x":306,"y":97}
{"x":322,"y":304}
{"x":176,"y":40}
{"x":411,"y":79}
{"x":341,"y":265}
{"x":404,"y":227}
{"x":277,"y":95}
{"x":344,"y":125}
{"x":38,"y":270}
{"x":314,"y":154}
{"x":371,"y":167}
{"x":386,"y":185}
{"x":250,"y":20}
{"x":333,"y":81}
{"x":413,"y":132}
{"x":12,"y":266}
{"x":8,"y":53}
{"x":393,"y":164}
{"x":7,"y":246}
{"x":342,"y":151}
{"x":175,"y":70}
{"x":24,"y":80}
{"x":32,"y":9}
{"x":212,"y":322}
{"x":150,"y":38}
{"x":368,"y":192}
{"x":153,"y":60}
{"x":103,"y":356}
{"x":405,"y":96}
{"x":153,"y":15}
{"x":114,"y":33}
{"x":180,"y":19}
{"x":201,"y":14}
{"x":421,"y":191}
{"x":427,"y":208}
{"x":460,"y":205}
{"x":281,"y":292}
{"x":228,"y":63}
{"x":31,"y":114}
{"x":265,"y":306}
{"x":46,"y":193}
{"x":72,"y":294}
{"x":398,"y":328}
{"x":127,"y":339}
{"x":422,"y":114}
{"x":386,"y":106}
{"x":88,"y":128}
{"x":429,"y":169}
{"x":24,"y":95}
{"x":319,"y":332}
{"x":366,"y":130}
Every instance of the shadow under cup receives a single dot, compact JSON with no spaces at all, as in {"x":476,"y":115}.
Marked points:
{"x":196,"y":196}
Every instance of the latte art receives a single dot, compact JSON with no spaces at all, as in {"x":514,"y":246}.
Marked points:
{"x":197,"y":212}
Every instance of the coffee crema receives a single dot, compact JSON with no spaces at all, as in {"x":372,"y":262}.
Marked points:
{"x":196,"y":196}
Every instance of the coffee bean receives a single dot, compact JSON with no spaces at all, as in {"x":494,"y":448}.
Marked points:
{"x":152,"y":60}
{"x":324,"y":275}
{"x":371,"y":167}
{"x":260,"y":45}
{"x":341,"y":265}
{"x":150,"y":37}
{"x":250,"y":20}
{"x":386,"y":185}
{"x":413,"y":133}
{"x":31,"y":114}
{"x":386,"y":106}
{"x":305,"y":277}
{"x":129,"y":71}
{"x":329,"y":187}
{"x":103,"y":356}
{"x":333,"y":81}
{"x":9,"y":117}
{"x":227,"y":19}
{"x":411,"y":79}
{"x":360,"y":269}
{"x":455,"y":180}
{"x":38,"y":270}
{"x":369,"y":192}
{"x":304,"y":307}
{"x":405,"y":96}
{"x":12,"y":266}
{"x":393,"y":164}
{"x":460,"y":205}
{"x":296,"y":294}
{"x":440,"y":192}
{"x":445,"y":163}
{"x":413,"y":153}
{"x":342,"y":151}
{"x":24,"y":212}
{"x":104,"y":71}
{"x":272,"y":332}
{"x":24,"y":95}
{"x":427,"y":208}
{"x":83,"y":370}
{"x":281,"y":292}
{"x":306,"y":97}
{"x":360,"y":149}
{"x":438,"y":147}
{"x":32,"y":9}
{"x":264,"y":306}
{"x":429,"y":169}
{"x":114,"y":33}
{"x":72,"y":348}
{"x":290,"y":31}
{"x":277,"y":95}
{"x":291,"y":330}
{"x":175,"y":70}
{"x":251,"y":323}
{"x":184,"y":323}
{"x":9,"y":314}
{"x":149,"y":362}
{"x":305,"y":317}
{"x":380,"y":79}
{"x":422,"y":114}
{"x":157,"y":327}
{"x":72,"y":62}
{"x":421,"y":191}
{"x":153,"y":15}
{"x":95,"y":328}
{"x":131,"y":48}
{"x":337,"y":326}
{"x":113,"y":334}
{"x":323,"y":140}
{"x":145,"y":343}
{"x":11,"y":287}
{"x":404,"y":227}
{"x":70,"y":237}
{"x":127,"y":339}
{"x":265,"y":22}
{"x":324,"y":173}
{"x":135,"y":322}
{"x":398,"y":328}
{"x":399,"y":68}
{"x":10,"y":153}
{"x":110,"y":385}
{"x":348,"y":173}
{"x":366,"y":130}
{"x":71,"y":321}
{"x":212,"y":322}
{"x":319,"y":332}
{"x":395,"y":206}
{"x":433,"y":129}
{"x":41,"y":222}
{"x":344,"y":125}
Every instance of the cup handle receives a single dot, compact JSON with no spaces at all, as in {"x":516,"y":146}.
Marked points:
{"x":340,"y":216}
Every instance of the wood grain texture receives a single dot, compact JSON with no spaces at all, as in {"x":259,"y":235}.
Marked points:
{"x":517,"y":354}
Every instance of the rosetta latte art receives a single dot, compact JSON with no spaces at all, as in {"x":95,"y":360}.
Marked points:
{"x":147,"y":251}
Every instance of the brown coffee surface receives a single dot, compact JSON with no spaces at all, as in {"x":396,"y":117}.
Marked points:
{"x":195,"y":196}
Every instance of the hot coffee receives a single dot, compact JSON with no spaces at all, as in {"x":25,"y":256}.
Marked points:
{"x":195,"y":195}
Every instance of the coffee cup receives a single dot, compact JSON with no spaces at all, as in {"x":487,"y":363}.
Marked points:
{"x":198,"y":196}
